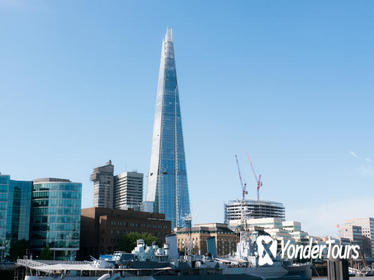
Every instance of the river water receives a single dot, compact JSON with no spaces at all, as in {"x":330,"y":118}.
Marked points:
{"x":352,"y":278}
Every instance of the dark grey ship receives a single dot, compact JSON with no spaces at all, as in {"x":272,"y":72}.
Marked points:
{"x":151,"y":262}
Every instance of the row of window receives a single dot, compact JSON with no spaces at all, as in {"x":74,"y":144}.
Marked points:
{"x":43,"y":211}
{"x":56,"y":194}
{"x":50,"y":187}
{"x":56,"y":227}
{"x":120,"y":223}
{"x":55,"y":219}
{"x":54,"y":244}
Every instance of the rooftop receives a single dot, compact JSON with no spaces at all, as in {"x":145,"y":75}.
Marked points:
{"x":51,"y":180}
{"x":256,"y":202}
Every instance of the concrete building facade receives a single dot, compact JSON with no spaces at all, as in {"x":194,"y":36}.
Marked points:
{"x":128,"y":190}
{"x":103,"y":228}
{"x":276,"y":228}
{"x":367,"y":229}
{"x":353,"y":233}
{"x":196,"y":237}
{"x":253,"y":209}
{"x":103,"y":180}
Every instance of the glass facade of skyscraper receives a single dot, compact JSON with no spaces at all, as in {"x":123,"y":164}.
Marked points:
{"x":4,"y":193}
{"x":167,"y":178}
{"x":15,"y":202}
{"x":55,"y":217}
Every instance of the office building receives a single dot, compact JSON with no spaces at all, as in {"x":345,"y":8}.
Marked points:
{"x":103,"y":228}
{"x":272,"y":226}
{"x":167,"y":178}
{"x":15,"y":204}
{"x":122,"y":191}
{"x":253,"y":209}
{"x":195,"y":238}
{"x":353,"y":233}
{"x":128,"y":191}
{"x":294,"y":229}
{"x":367,"y":229}
{"x":55,"y":217}
{"x":277,"y":228}
{"x":103,"y":180}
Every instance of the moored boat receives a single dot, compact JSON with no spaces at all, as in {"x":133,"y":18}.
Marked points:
{"x":151,"y":262}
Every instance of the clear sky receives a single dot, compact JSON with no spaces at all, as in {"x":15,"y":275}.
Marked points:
{"x":289,"y":82}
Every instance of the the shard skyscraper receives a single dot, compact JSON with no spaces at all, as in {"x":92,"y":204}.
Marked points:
{"x":167,"y":177}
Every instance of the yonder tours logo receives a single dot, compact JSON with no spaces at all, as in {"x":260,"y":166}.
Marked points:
{"x":267,"y":250}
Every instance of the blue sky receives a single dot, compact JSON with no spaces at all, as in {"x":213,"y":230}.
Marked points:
{"x":289,"y":82}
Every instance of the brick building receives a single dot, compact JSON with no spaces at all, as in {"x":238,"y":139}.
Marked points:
{"x":103,"y":228}
{"x":226,"y":239}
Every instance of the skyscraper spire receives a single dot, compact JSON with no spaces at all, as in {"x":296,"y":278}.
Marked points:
{"x":169,"y":34}
{"x":167,"y":177}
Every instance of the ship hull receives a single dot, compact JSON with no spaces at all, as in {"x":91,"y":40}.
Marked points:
{"x":262,"y":272}
{"x":299,"y":272}
{"x":207,"y":277}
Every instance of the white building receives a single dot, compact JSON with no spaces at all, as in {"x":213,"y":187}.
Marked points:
{"x":367,"y":229}
{"x":276,"y":228}
{"x":253,"y":209}
{"x":294,"y":229}
{"x":128,"y":190}
{"x":351,"y":232}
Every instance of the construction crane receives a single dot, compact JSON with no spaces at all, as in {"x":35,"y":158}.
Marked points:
{"x":243,"y":184}
{"x":257,"y":178}
{"x":244,"y":192}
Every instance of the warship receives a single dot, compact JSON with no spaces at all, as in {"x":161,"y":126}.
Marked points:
{"x":163,"y":263}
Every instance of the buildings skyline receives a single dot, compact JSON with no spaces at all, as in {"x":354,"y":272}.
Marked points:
{"x":226,"y":83}
{"x":167,"y":186}
{"x":121,"y":191}
{"x":55,"y":223}
{"x":290,"y":84}
{"x":108,"y":195}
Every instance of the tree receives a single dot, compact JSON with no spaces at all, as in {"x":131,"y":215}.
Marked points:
{"x":18,"y":249}
{"x":128,"y":241}
{"x":46,"y":254}
{"x":149,"y":239}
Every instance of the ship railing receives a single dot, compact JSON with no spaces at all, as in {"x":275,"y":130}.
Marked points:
{"x":37,"y":263}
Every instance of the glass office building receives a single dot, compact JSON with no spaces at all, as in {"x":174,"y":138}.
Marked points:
{"x":15,"y":202}
{"x":167,"y":179}
{"x":55,"y":217}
